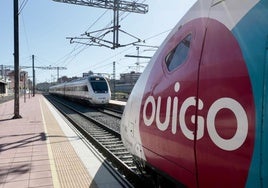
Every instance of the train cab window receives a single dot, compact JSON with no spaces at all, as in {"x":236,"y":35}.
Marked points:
{"x":99,"y":87}
{"x":179,"y":54}
{"x":99,"y":84}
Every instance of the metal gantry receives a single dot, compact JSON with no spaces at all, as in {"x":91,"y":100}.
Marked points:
{"x":116,"y":6}
{"x":125,"y":6}
{"x":37,"y":67}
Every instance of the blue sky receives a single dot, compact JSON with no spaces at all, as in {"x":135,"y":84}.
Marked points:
{"x":45,"y":24}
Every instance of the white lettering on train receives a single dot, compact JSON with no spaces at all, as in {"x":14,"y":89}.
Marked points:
{"x":229,"y":144}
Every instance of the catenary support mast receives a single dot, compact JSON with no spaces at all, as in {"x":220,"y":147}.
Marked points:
{"x":16,"y":61}
{"x":116,"y":6}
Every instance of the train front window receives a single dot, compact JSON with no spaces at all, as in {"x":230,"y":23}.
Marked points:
{"x":179,"y":54}
{"x":99,"y":85}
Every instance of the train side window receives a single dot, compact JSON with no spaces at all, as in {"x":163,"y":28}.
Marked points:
{"x":179,"y":54}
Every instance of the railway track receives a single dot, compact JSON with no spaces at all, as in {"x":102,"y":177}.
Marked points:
{"x":111,"y":112}
{"x":101,"y":130}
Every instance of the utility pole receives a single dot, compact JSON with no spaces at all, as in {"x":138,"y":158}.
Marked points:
{"x":16,"y":60}
{"x":114,"y":78}
{"x":24,"y":86}
{"x":33,"y":76}
{"x":58,"y":73}
{"x":116,"y":25}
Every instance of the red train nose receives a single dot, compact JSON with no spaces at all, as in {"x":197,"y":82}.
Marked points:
{"x":201,"y":108}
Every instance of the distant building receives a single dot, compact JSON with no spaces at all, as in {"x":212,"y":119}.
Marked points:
{"x":3,"y":80}
{"x":4,"y":73}
{"x":85,"y":74}
{"x":43,"y":86}
{"x":63,"y":79}
{"x":3,"y":88}
{"x":129,"y":78}
{"x":23,"y":78}
{"x":126,"y":82}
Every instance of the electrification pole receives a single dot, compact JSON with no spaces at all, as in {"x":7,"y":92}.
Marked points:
{"x":116,"y":6}
{"x":33,"y":76}
{"x":58,"y":74}
{"x":116,"y":25}
{"x":16,"y":61}
{"x":114,"y":78}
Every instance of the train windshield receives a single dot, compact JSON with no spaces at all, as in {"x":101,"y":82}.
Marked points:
{"x":99,"y":84}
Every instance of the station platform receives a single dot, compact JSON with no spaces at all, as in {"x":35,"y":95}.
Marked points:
{"x":42,"y":150}
{"x":117,"y":105}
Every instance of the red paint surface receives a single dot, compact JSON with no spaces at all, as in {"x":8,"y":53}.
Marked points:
{"x":218,"y":72}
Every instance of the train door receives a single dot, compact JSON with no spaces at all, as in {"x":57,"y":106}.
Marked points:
{"x":226,"y":117}
{"x":168,"y":123}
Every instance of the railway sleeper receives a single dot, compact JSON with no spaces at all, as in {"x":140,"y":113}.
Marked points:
{"x":117,"y":148}
{"x":127,"y":157}
{"x":103,"y":137}
{"x":129,"y":162}
{"x":99,"y":131}
{"x":109,"y":140}
{"x":94,"y":130}
{"x":111,"y":144}
{"x":134,"y":168}
{"x":120,"y":153}
{"x":100,"y":134}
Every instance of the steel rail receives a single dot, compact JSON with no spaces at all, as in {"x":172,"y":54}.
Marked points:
{"x":106,"y":140}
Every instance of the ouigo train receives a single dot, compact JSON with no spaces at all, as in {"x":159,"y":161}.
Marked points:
{"x":93,"y":89}
{"x":198,"y":114}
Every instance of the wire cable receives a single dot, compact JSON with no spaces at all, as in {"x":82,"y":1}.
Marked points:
{"x":23,"y":4}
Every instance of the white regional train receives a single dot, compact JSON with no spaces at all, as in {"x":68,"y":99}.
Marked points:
{"x":93,"y":89}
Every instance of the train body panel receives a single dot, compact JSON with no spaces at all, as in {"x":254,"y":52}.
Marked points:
{"x":93,"y":89}
{"x":198,"y":113}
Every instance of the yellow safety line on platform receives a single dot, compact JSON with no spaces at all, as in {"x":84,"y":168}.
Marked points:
{"x":50,"y":154}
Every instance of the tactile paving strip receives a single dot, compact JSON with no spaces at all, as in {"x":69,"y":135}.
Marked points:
{"x":70,"y":171}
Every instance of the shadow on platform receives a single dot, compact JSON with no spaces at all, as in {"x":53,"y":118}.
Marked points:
{"x":14,"y":171}
{"x":7,"y":119}
{"x":25,"y":142}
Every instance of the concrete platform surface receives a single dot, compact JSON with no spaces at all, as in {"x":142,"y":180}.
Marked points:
{"x":42,"y":150}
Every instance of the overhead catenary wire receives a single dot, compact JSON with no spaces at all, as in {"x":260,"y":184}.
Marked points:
{"x":94,"y":23}
{"x":108,"y":60}
{"x":99,"y":33}
{"x":79,"y":48}
{"x":23,"y":4}
{"x":25,"y":34}
{"x":109,"y":24}
{"x":98,"y":39}
{"x":72,"y":55}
